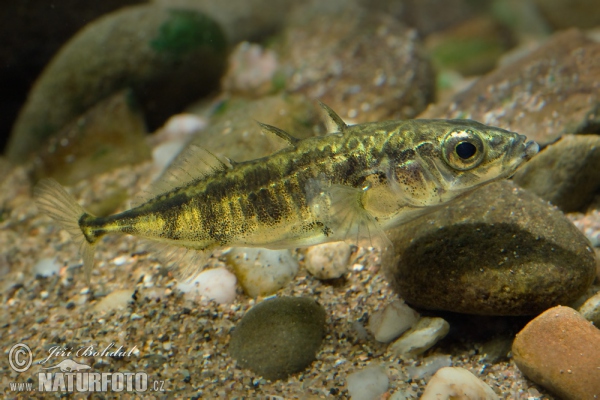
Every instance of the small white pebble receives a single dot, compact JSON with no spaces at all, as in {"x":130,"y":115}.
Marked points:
{"x":457,"y":383}
{"x":118,"y":261}
{"x":167,"y":346}
{"x":184,"y":124}
{"x":368,"y":384}
{"x":215,"y":284}
{"x":328,"y":260}
{"x":135,"y":316}
{"x":46,"y":267}
{"x":358,"y":267}
{"x":44,"y":294}
{"x":117,"y":300}
{"x":262,"y":272}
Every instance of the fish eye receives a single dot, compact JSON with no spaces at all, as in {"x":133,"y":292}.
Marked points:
{"x":463,"y":149}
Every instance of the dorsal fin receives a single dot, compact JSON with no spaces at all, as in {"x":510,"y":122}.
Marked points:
{"x":336,"y":119}
{"x":193,"y":163}
{"x":279,"y":132}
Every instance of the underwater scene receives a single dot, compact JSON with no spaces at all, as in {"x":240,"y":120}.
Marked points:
{"x":341,"y":199}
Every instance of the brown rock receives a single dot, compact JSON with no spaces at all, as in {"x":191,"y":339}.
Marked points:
{"x":566,"y":173}
{"x":365,"y":65}
{"x":498,"y":251}
{"x":544,"y":95}
{"x":560,"y":350}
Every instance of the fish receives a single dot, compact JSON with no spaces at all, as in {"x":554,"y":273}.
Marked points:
{"x":351,"y":185}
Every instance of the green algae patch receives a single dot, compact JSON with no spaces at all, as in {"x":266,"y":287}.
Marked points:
{"x":185,"y":31}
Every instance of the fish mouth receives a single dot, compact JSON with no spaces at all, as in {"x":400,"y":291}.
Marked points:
{"x":521,"y":151}
{"x":531,"y":149}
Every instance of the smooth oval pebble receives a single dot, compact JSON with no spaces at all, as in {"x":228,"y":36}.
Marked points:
{"x":262,"y":272}
{"x":560,"y":350}
{"x":216,"y":284}
{"x":389,"y":323}
{"x":421,"y":337}
{"x":327,"y":260}
{"x":279,"y":336}
{"x":457,"y":384}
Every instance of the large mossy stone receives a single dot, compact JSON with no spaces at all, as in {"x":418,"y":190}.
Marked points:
{"x":168,"y":57}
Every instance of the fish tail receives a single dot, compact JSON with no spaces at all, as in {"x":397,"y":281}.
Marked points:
{"x":53,"y":200}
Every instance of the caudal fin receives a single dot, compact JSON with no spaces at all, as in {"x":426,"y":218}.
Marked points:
{"x":53,"y":200}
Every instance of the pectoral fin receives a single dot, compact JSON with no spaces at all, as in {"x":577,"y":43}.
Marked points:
{"x":341,"y":210}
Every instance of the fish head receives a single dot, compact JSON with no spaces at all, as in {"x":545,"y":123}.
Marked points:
{"x":454,"y":157}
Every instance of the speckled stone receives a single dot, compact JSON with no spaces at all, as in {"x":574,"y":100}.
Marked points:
{"x":279,"y":336}
{"x":560,"y":350}
{"x":498,"y":251}
{"x":364,"y":64}
{"x":548,"y":93}
{"x":566,"y":173}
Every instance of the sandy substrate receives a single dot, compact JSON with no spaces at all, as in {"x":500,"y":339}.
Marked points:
{"x":177,"y":341}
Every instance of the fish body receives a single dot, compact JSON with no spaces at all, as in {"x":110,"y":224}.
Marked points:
{"x":348,"y":185}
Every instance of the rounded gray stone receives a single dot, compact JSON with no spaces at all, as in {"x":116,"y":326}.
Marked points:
{"x":499,"y":251}
{"x":279,"y":337}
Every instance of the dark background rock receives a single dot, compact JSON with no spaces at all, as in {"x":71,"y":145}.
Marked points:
{"x":279,"y":337}
{"x":552,"y":91}
{"x":566,"y":173}
{"x":472,"y":47}
{"x":418,"y":13}
{"x":498,"y":251}
{"x":168,"y":57}
{"x":563,"y":14}
{"x":32,"y":31}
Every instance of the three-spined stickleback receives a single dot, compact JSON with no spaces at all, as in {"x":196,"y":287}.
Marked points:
{"x":350,"y":185}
